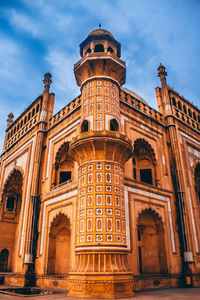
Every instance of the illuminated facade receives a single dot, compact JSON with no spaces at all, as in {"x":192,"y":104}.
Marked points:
{"x":103,"y":197}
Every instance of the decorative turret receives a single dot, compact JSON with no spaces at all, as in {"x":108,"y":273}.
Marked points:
{"x":162,"y":74}
{"x":100,"y":74}
{"x":10,"y":119}
{"x":48,"y":99}
{"x":164,"y":105}
{"x":47,"y":81}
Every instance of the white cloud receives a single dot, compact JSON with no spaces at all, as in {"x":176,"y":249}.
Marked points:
{"x":64,"y":83}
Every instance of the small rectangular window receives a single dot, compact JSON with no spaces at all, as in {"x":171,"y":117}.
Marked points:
{"x":10,"y":204}
{"x":65,"y":176}
{"x":146,"y":176}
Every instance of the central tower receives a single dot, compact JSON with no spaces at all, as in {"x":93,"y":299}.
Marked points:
{"x":101,"y":151}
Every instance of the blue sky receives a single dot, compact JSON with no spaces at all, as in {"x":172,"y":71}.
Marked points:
{"x":39,"y":36}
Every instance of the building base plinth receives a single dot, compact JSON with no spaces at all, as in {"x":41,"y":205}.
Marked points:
{"x":101,"y":286}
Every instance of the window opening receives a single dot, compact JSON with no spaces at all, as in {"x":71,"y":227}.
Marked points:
{"x":99,"y":48}
{"x":174,"y":101}
{"x":179,"y":105}
{"x":114,"y":126}
{"x":110,"y":50}
{"x":146,"y":176}
{"x":65,"y":176}
{"x":84,"y":126}
{"x":10,"y":203}
{"x":184,"y":109}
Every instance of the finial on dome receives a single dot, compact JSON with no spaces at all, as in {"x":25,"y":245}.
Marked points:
{"x":99,"y":25}
{"x":47,"y":81}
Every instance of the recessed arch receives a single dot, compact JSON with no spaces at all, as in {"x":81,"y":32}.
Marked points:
{"x":151,"y":243}
{"x":114,"y":125}
{"x":4,"y":255}
{"x":63,"y":166}
{"x":144,"y":163}
{"x":85,"y":126}
{"x":59,"y":246}
{"x":174,"y":101}
{"x":99,"y":48}
{"x":11,"y":204}
{"x":184,"y":108}
{"x":179,"y":105}
{"x":190,"y":112}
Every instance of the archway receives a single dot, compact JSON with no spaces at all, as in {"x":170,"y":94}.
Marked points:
{"x":59,"y":246}
{"x":4,"y":260}
{"x":151,"y":243}
{"x":11,"y":205}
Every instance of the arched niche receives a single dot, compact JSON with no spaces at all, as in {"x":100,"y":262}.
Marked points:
{"x":63,"y":168}
{"x":114,"y":125}
{"x":151,"y":243}
{"x":4,"y":254}
{"x":11,"y":206}
{"x":99,"y":48}
{"x":144,"y":162}
{"x":59,"y":246}
{"x":85,"y":126}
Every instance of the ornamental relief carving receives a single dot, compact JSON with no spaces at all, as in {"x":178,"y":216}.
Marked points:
{"x":66,"y":210}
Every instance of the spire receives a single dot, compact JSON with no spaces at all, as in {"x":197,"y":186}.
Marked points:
{"x":47,"y":82}
{"x":99,"y":25}
{"x":10,"y":119}
{"x":162,"y":74}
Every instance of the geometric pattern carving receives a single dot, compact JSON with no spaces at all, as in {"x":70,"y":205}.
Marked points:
{"x":101,"y":212}
{"x":97,"y":100}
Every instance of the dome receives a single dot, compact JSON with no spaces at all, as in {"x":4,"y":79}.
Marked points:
{"x":100,"y":32}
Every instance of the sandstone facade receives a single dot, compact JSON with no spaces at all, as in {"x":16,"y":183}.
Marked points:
{"x":103,"y":197}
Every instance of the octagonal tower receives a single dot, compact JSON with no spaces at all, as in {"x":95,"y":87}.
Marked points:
{"x":101,"y":150}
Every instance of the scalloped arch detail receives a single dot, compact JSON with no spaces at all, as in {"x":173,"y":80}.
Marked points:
{"x":152,"y":212}
{"x":15,"y":169}
{"x":141,"y":145}
{"x":61,"y":151}
{"x":66,"y":211}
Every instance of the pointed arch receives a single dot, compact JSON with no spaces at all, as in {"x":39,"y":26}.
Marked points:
{"x":64,"y":148}
{"x":59,"y":245}
{"x":15,"y":169}
{"x":13,"y":186}
{"x":151,"y":242}
{"x":151,"y":211}
{"x":63,"y":166}
{"x":144,"y":162}
{"x":11,"y":207}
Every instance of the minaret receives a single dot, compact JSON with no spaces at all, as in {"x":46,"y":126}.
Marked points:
{"x":164,"y":105}
{"x":178,"y":170}
{"x":101,"y":150}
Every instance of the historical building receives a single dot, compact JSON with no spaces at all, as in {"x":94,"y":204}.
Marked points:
{"x":104,"y":196}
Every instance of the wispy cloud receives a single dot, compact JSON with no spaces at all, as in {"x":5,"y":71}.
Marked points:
{"x":61,"y":65}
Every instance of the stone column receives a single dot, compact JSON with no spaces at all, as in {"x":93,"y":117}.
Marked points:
{"x":101,"y":241}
